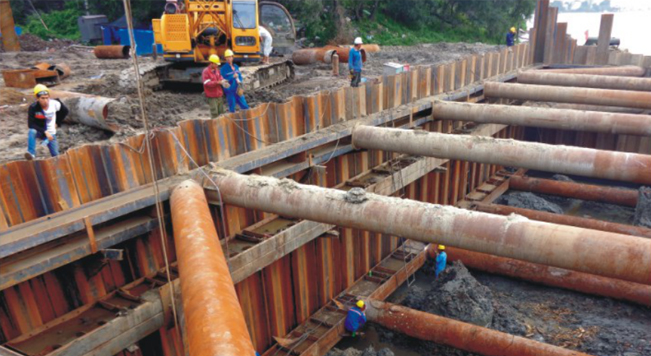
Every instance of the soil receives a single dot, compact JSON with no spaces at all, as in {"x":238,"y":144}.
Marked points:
{"x":369,"y":351}
{"x":643,"y":208}
{"x":114,"y":78}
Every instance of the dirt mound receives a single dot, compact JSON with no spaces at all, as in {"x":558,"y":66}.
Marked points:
{"x":370,"y":351}
{"x":33,"y":43}
{"x":643,"y":208}
{"x":456,"y":294}
{"x":528,"y":200}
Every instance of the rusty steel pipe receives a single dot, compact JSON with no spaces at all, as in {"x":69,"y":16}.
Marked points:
{"x":565,"y":220}
{"x":371,"y":48}
{"x":343,"y":52}
{"x":597,"y":108}
{"x":10,"y":41}
{"x":623,"y":71}
{"x":112,"y":52}
{"x":215,"y":324}
{"x":550,"y":118}
{"x":632,"y":99}
{"x":87,"y":109}
{"x":584,"y":80}
{"x":598,"y":193}
{"x":622,"y":166}
{"x":457,"y":334}
{"x":597,"y":252}
{"x":309,"y":56}
{"x":552,"y":276}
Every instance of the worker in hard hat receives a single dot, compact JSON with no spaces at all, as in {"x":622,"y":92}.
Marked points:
{"x":355,"y":62}
{"x":212,"y":86}
{"x":266,"y":40}
{"x":234,"y":93}
{"x":43,"y":118}
{"x":441,"y":260}
{"x":355,"y":318}
{"x":510,"y":37}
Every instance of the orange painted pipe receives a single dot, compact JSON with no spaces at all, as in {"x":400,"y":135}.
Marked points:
{"x":457,"y":334}
{"x":215,"y":323}
{"x":576,"y":221}
{"x":625,"y":197}
{"x":551,"y":276}
{"x":112,"y":52}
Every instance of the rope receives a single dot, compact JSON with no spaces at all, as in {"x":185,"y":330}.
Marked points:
{"x":159,"y":205}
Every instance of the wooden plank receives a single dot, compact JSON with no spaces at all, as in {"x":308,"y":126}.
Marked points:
{"x":605,"y":33}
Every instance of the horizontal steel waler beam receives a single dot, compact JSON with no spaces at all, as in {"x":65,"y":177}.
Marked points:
{"x":48,"y":228}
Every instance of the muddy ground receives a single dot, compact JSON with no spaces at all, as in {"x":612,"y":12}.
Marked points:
{"x":113,"y":78}
{"x":591,"y":324}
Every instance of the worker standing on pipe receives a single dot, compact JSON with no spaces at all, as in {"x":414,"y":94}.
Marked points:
{"x":355,"y":63}
{"x":510,"y":38}
{"x":212,"y":86}
{"x":266,"y":40}
{"x":356,"y":318}
{"x":234,"y":93}
{"x":43,"y":117}
{"x":441,"y":260}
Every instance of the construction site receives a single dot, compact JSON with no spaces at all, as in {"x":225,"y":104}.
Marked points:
{"x":160,"y":231}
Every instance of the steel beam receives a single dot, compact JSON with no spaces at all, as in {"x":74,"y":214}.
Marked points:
{"x":590,"y":192}
{"x":623,"y":71}
{"x":585,"y":223}
{"x":457,"y":334}
{"x":632,"y":99}
{"x":549,"y":118}
{"x":630,"y":167}
{"x":602,"y":253}
{"x":584,"y":80}
{"x":215,"y":324}
{"x":551,"y":276}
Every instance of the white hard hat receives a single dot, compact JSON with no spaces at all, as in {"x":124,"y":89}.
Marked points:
{"x":358,"y":40}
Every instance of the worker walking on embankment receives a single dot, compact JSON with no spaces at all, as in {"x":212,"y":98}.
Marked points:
{"x":355,"y":62}
{"x":356,"y":318}
{"x":441,"y":261}
{"x":266,"y":41}
{"x":43,"y":118}
{"x":234,"y":93}
{"x":212,"y":86}
{"x":510,"y":37}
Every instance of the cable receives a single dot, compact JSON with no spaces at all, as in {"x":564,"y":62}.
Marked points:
{"x":159,"y":205}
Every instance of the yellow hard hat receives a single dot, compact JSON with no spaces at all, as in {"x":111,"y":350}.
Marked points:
{"x":40,"y":88}
{"x":214,"y":59}
{"x":512,"y":29}
{"x":228,"y":53}
{"x":441,"y":247}
{"x":360,"y":304}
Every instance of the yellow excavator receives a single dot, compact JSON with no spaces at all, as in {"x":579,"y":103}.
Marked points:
{"x":191,"y":30}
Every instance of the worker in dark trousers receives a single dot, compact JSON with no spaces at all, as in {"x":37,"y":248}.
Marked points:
{"x":510,"y":38}
{"x":355,"y":63}
{"x":234,"y":93}
{"x":355,"y":318}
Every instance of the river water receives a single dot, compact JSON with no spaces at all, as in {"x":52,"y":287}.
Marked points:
{"x":632,"y":28}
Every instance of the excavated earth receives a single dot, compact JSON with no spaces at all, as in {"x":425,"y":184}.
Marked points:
{"x":114,"y":78}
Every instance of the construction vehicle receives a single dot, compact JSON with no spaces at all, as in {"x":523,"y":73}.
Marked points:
{"x":191,"y":30}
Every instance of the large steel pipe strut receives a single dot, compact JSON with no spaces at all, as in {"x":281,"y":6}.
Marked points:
{"x":584,"y":80}
{"x":598,"y":108}
{"x":565,"y":219}
{"x":622,"y":166}
{"x":623,"y":71}
{"x":457,"y":334}
{"x":632,"y":99}
{"x":215,"y":323}
{"x":593,"y":121}
{"x":597,"y":252}
{"x":590,"y":192}
{"x":552,"y":276}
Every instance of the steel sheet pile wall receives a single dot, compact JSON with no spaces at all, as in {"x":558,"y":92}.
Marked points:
{"x":285,"y":293}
